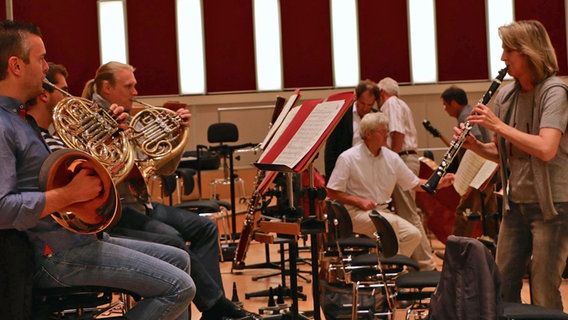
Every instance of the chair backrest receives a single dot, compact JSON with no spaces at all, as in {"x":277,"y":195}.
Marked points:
{"x":387,"y":236}
{"x":222,"y":132}
{"x":468,"y":267}
{"x":340,"y":213}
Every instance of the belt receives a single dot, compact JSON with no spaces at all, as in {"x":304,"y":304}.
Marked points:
{"x":407,"y":152}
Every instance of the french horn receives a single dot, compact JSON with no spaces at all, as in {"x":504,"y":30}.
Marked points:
{"x":82,"y":125}
{"x":159,"y":138}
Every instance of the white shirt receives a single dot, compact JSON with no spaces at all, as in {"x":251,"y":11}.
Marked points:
{"x":400,"y":120}
{"x":356,"y":124}
{"x":358,"y":172}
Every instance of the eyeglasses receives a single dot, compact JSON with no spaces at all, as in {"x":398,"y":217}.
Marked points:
{"x":383,"y":132}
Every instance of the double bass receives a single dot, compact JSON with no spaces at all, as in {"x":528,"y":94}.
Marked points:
{"x":439,"y":208}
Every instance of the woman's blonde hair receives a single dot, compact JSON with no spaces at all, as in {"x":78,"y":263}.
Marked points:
{"x":530,"y":38}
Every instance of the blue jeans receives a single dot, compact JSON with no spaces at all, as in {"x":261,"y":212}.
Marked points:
{"x":524,"y":234}
{"x":156,"y":272}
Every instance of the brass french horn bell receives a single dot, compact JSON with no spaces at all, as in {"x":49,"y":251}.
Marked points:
{"x":87,"y":217}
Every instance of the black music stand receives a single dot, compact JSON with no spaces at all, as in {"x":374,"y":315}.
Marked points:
{"x":293,"y":252}
{"x":294,"y":150}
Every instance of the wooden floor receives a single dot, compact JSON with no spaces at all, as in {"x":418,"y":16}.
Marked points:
{"x":256,"y":254}
{"x":245,"y":284}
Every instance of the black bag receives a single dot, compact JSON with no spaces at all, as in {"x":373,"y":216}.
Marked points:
{"x":207,"y":160}
{"x":336,"y":301}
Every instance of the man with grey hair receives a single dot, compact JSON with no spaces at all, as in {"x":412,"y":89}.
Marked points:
{"x":403,"y":141}
{"x":365,"y":176}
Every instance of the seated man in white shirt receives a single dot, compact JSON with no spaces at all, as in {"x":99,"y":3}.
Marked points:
{"x":365,"y":176}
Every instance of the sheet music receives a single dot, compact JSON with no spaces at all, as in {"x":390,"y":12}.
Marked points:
{"x":278,"y":123}
{"x":309,"y":133}
{"x":485,"y":173}
{"x":473,"y":171}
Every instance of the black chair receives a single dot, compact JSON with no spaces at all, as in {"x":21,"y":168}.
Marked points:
{"x":222,"y":133}
{"x":342,"y":234}
{"x":82,"y":302}
{"x":366,"y":270}
{"x":416,"y":286}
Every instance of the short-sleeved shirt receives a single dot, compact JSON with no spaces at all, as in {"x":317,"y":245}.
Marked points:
{"x":359,"y":172}
{"x":401,"y":121}
{"x":554,"y":115}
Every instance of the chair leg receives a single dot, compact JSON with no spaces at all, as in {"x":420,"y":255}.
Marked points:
{"x":355,"y":300}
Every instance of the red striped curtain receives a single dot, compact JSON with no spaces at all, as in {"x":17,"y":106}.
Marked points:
{"x":229,"y":45}
{"x":383,"y":40}
{"x":461,"y":40}
{"x":152,"y":47}
{"x":306,"y":43}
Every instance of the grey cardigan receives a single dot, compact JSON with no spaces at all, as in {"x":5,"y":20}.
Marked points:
{"x":505,"y":99}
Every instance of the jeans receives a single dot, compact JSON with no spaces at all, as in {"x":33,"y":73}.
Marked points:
{"x":156,"y":272}
{"x":524,"y":234}
{"x":174,"y":226}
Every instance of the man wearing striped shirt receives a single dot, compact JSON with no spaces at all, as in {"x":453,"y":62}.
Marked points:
{"x":41,"y":108}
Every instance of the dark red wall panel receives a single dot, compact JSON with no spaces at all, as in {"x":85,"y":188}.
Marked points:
{"x":306,"y":43}
{"x":70,"y":33}
{"x":551,"y":14}
{"x":3,"y":9}
{"x":229,"y":45}
{"x":461,"y":40}
{"x":383,"y":40}
{"x":152,"y":45}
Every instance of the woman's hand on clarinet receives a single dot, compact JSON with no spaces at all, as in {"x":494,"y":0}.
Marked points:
{"x":469,"y":141}
{"x":483,"y":116}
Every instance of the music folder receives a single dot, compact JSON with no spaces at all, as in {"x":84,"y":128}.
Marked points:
{"x":301,"y":133}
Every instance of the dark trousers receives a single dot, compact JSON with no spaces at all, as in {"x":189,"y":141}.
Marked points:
{"x":16,"y":271}
{"x":174,"y":226}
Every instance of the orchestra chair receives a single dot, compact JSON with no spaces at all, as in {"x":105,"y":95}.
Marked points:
{"x":182,"y":183}
{"x":220,"y":134}
{"x":366,"y":270}
{"x":370,"y":277}
{"x":415,"y":286}
{"x":82,"y":302}
{"x":342,"y":235}
{"x":358,"y":247}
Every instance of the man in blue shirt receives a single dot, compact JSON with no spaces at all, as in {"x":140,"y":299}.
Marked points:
{"x":156,"y":272}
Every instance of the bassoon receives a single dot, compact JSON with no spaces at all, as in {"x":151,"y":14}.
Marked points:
{"x":253,"y":203}
{"x":455,"y":146}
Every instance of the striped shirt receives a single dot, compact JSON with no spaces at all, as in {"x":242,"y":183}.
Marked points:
{"x":53,"y":142}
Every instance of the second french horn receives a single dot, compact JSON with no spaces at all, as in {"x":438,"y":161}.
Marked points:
{"x":159,"y":137}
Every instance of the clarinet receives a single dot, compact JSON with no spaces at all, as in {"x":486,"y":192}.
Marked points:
{"x":455,"y":146}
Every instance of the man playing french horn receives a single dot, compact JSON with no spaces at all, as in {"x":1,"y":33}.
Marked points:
{"x":115,"y":83}
{"x":64,"y":258}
